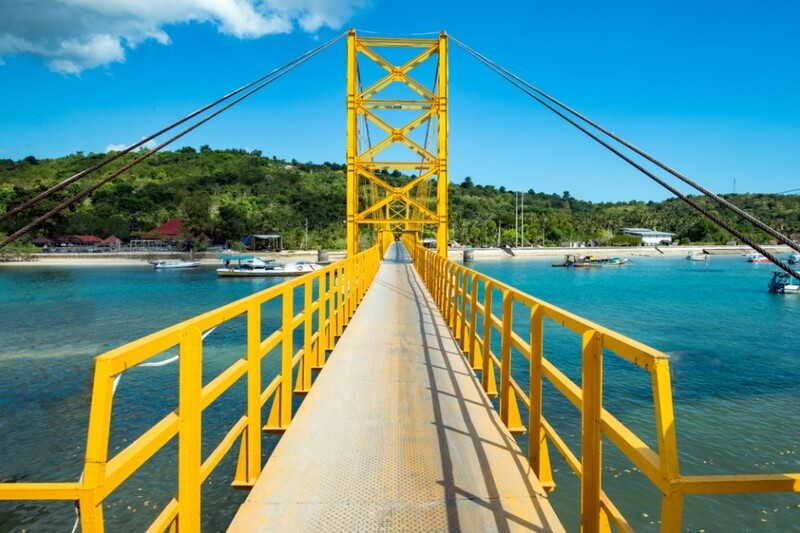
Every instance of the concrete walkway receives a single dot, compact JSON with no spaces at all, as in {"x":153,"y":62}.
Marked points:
{"x":396,"y":434}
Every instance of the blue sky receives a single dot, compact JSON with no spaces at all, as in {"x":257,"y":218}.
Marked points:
{"x":710,"y":87}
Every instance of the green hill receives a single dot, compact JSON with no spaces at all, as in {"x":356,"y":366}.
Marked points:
{"x":230,"y":193}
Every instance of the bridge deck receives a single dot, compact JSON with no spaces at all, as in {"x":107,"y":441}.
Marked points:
{"x":396,"y":434}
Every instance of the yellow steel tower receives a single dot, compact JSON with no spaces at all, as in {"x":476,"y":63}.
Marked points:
{"x":394,"y":193}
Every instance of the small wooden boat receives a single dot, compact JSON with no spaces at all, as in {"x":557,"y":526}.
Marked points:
{"x":169,"y":264}
{"x":611,"y":261}
{"x":589,"y":261}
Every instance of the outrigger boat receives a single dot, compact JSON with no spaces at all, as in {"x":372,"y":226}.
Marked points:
{"x":574,"y":261}
{"x":783,"y":283}
{"x":168,"y":264}
{"x":248,"y":266}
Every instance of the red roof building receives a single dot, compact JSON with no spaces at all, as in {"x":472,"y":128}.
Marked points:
{"x":171,"y":231}
{"x":81,"y":240}
{"x":112,"y":240}
{"x":168,"y":231}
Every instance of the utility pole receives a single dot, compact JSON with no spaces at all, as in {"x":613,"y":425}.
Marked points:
{"x":499,"y":229}
{"x":522,"y":220}
{"x":516,"y":219}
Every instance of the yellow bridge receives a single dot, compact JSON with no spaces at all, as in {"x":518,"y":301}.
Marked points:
{"x":399,"y":430}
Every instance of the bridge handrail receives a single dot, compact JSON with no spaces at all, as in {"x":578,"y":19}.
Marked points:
{"x":340,"y":288}
{"x":456,"y":290}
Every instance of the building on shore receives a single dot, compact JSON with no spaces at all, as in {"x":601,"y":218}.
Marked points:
{"x":649,"y":237}
{"x":170,"y":233}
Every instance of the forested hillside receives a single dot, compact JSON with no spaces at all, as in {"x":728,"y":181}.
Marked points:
{"x":230,"y":193}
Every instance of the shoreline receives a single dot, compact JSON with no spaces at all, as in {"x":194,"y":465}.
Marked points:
{"x":117,"y":259}
{"x":206,"y":258}
{"x":613,"y":251}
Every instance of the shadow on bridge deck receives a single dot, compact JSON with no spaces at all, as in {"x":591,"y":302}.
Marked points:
{"x":397,"y":434}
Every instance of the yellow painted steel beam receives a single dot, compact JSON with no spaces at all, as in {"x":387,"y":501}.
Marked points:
{"x":371,"y":200}
{"x":413,"y":105}
{"x":352,"y":145}
{"x":442,"y":232}
{"x":396,"y":42}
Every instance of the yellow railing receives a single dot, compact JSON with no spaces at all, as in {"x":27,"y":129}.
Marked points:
{"x":464,"y":295}
{"x":340,"y":288}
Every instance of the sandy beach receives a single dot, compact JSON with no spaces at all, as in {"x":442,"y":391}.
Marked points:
{"x":208,"y":258}
{"x":140,"y":259}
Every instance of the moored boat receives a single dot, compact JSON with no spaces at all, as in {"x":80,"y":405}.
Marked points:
{"x":755,"y":257}
{"x":783,"y":283}
{"x":794,"y":258}
{"x":248,"y":266}
{"x":697,"y":256}
{"x":169,"y":264}
{"x":574,"y":261}
{"x":610,"y":261}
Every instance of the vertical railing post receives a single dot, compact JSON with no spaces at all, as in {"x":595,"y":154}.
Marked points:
{"x":591,"y":440}
{"x":331,"y":296}
{"x":535,"y":379}
{"x":253,"y":392}
{"x":538,"y":457}
{"x":462,"y":329}
{"x":487,"y":375}
{"x":340,"y":305}
{"x":456,"y":306}
{"x":94,"y":469}
{"x":352,"y":285}
{"x":280,"y":414}
{"x":672,"y":501}
{"x":322,"y":338}
{"x":304,"y":374}
{"x":505,"y":357}
{"x":473,"y":323}
{"x":190,"y":429}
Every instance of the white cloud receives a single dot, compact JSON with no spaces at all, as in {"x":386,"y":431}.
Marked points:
{"x":117,"y":147}
{"x":74,"y":35}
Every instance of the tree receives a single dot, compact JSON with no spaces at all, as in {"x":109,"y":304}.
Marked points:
{"x":467,"y":183}
{"x":195,"y":212}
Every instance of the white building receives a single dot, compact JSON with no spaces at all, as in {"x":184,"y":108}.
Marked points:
{"x":649,"y":237}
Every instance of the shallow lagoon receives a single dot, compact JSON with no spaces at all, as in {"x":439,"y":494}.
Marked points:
{"x":733,"y":347}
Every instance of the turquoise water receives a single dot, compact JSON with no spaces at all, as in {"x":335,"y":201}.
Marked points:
{"x":733,"y":346}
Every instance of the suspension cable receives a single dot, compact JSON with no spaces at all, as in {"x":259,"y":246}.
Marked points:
{"x":721,"y":201}
{"x":265,"y":80}
{"x":723,"y":224}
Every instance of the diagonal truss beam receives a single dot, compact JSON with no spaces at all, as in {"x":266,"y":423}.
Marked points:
{"x":397,"y":135}
{"x":397,"y":73}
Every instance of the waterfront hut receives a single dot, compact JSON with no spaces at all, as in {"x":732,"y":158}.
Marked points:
{"x":271,"y":241}
{"x":41,"y":242}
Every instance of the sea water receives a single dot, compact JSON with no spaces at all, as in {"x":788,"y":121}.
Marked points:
{"x":733,"y":353}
